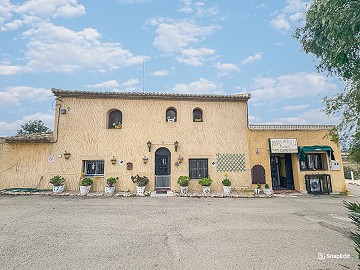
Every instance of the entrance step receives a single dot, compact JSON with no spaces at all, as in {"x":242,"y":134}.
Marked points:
{"x":162,"y":193}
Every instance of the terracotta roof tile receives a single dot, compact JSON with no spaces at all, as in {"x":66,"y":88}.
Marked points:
{"x":45,"y":137}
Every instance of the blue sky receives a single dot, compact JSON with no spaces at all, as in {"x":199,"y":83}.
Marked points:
{"x":212,"y":47}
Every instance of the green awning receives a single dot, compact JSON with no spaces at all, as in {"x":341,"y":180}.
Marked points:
{"x":313,"y":149}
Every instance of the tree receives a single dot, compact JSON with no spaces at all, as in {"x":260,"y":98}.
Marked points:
{"x":332,"y":33}
{"x":36,"y":126}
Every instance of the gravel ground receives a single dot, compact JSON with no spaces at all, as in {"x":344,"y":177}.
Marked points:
{"x":71,"y":232}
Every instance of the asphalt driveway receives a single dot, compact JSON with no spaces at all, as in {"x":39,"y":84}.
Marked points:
{"x":48,"y":232}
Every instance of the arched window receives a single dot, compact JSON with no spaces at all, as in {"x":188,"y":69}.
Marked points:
{"x":115,"y":119}
{"x":197,"y":115}
{"x":171,"y":115}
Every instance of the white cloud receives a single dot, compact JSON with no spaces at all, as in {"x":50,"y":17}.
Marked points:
{"x":202,"y":86}
{"x":33,"y":11}
{"x":133,"y":1}
{"x":311,"y":117}
{"x":194,"y":57}
{"x":130,"y":83}
{"x":78,"y":50}
{"x":254,"y":119}
{"x":112,"y":84}
{"x":161,"y":73}
{"x":226,"y":68}
{"x":252,"y":58}
{"x":292,"y":13}
{"x":9,"y":70}
{"x":16,"y":94}
{"x":295,"y":107}
{"x":176,"y":35}
{"x":199,"y":9}
{"x":280,"y":23}
{"x":10,"y":128}
{"x":290,"y":86}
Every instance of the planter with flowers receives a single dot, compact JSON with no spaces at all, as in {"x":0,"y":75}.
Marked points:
{"x":110,"y":189}
{"x":205,"y":183}
{"x":183,"y":181}
{"x":268,"y":190}
{"x":141,"y":182}
{"x":226,"y":185}
{"x":85,"y":185}
{"x":58,"y":183}
{"x":257,"y":189}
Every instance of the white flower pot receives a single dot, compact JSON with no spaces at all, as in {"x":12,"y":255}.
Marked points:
{"x":84,"y":190}
{"x":109,"y":190}
{"x":257,"y":191}
{"x":140,"y":190}
{"x":206,"y":190}
{"x":184,"y":190}
{"x":58,"y":189}
{"x":268,"y":191}
{"x":227,"y":189}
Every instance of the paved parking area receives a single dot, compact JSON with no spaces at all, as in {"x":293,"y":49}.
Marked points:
{"x":48,"y":232}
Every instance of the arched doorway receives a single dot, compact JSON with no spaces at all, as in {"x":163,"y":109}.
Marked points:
{"x":258,"y":174}
{"x":162,"y":168}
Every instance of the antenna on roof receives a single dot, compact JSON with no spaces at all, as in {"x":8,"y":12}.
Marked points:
{"x":143,"y":73}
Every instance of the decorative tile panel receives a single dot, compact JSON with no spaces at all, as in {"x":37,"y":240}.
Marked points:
{"x":230,"y":162}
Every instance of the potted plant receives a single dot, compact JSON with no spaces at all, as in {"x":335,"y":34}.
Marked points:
{"x":141,"y":182}
{"x":183,"y":181}
{"x":205,"y":183}
{"x":85,"y":185}
{"x":226,"y":185}
{"x":110,"y":189}
{"x":257,"y":189}
{"x":58,"y":183}
{"x":268,"y":190}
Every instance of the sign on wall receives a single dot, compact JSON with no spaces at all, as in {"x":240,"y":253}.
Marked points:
{"x":278,"y":146}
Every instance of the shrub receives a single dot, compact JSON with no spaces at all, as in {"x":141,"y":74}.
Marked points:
{"x":111,"y":181}
{"x":267,"y":186}
{"x":57,"y":180}
{"x":354,"y":209}
{"x":206,"y":182}
{"x":226,"y":182}
{"x":87,"y":181}
{"x":258,"y":186}
{"x":183,"y":180}
{"x":140,"y":181}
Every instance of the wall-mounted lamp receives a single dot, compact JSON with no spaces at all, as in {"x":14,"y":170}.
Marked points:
{"x":176,"y":144}
{"x":66,"y":155}
{"x":149,"y":145}
{"x":180,"y":159}
{"x":145,"y":159}
{"x":113,"y":160}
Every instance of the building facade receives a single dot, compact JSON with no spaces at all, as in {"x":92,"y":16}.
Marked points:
{"x":164,"y":136}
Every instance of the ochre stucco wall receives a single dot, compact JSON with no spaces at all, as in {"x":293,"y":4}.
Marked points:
{"x":83,"y":132}
{"x":259,"y":139}
{"x":24,"y":165}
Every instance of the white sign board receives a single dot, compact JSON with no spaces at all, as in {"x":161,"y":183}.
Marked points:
{"x":278,"y":146}
{"x":50,"y":159}
{"x":335,"y":165}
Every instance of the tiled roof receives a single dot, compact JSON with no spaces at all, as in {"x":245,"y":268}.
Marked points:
{"x":148,"y":95}
{"x":290,"y":127}
{"x":45,"y":137}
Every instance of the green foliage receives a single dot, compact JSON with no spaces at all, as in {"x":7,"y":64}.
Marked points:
{"x":140,"y":181}
{"x":266,"y":186}
{"x":183,"y":181}
{"x":226,"y":182}
{"x":332,"y":34}
{"x":354,"y":215}
{"x":354,"y":152}
{"x":57,"y":180}
{"x":258,"y":186}
{"x":206,"y":182}
{"x":36,"y":126}
{"x":87,"y":181}
{"x":347,"y":173}
{"x":111,"y":181}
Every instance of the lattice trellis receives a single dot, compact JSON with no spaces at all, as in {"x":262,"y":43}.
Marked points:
{"x":230,"y":162}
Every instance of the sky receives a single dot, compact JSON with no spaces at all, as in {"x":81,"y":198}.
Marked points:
{"x":176,"y":46}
